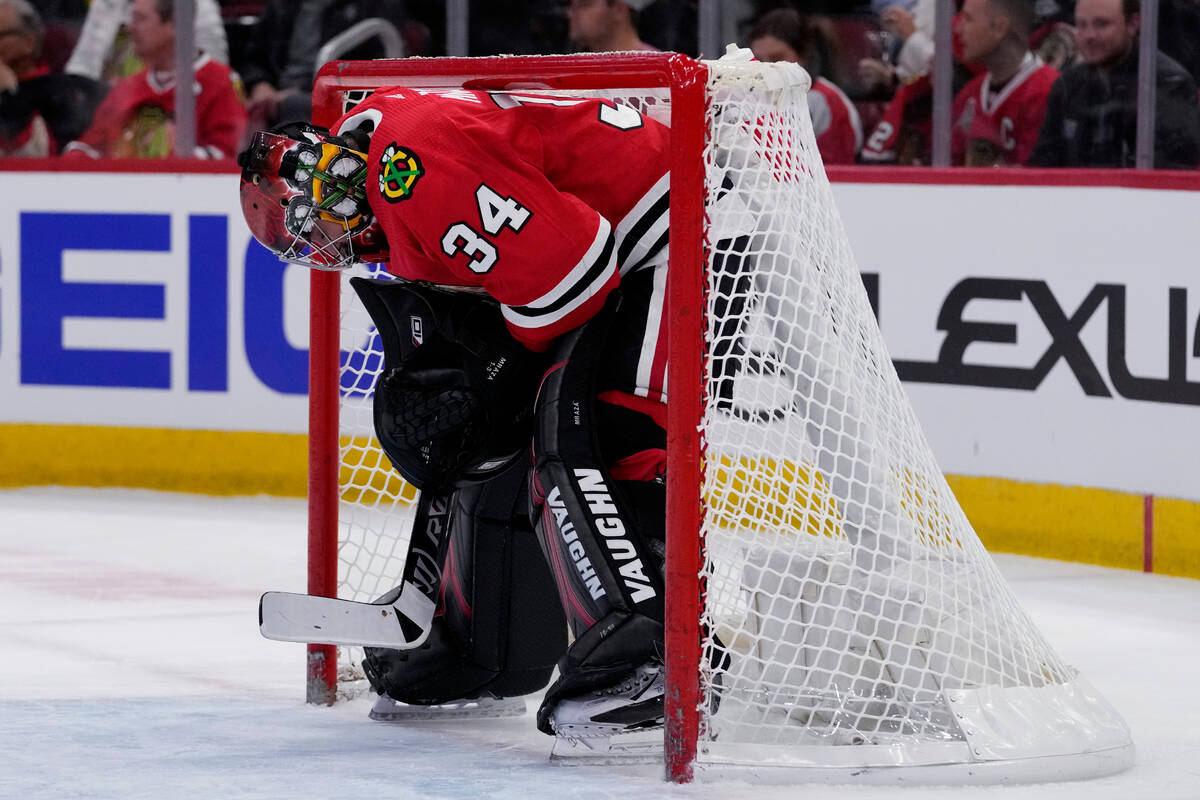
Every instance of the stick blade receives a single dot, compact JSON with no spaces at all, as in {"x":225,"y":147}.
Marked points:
{"x":290,"y":617}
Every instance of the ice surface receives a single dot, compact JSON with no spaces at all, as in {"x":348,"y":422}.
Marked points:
{"x":131,"y":667}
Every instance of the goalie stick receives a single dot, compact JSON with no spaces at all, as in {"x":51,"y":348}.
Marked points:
{"x":400,"y":620}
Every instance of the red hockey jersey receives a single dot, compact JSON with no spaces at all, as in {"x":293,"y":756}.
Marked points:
{"x":902,"y":136}
{"x":836,"y":123}
{"x":136,"y":118}
{"x":1000,"y":128}
{"x":34,"y":139}
{"x":542,"y":202}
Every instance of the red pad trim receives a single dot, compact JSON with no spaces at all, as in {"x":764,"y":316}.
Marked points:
{"x":651,"y":408}
{"x":644,"y":466}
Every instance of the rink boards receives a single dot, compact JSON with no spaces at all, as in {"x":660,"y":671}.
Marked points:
{"x":1047,"y":334}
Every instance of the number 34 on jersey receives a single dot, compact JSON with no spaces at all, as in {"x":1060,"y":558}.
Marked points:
{"x":496,"y":213}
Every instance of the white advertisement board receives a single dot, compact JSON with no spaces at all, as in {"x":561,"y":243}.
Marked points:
{"x":1045,"y":334}
{"x":141,"y":300}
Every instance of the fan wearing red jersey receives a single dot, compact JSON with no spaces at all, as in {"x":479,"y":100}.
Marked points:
{"x":903,"y":136}
{"x":556,"y":208}
{"x":998,"y":114}
{"x":784,"y":34}
{"x":136,"y":118}
{"x":836,"y":123}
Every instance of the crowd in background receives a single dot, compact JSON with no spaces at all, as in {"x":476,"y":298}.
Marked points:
{"x":1036,"y":82}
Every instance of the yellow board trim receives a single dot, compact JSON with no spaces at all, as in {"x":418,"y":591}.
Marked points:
{"x":1176,"y":537}
{"x":366,"y":477}
{"x":1096,"y":526}
{"x":764,"y":494}
{"x":207,"y":462}
{"x":1069,"y":523}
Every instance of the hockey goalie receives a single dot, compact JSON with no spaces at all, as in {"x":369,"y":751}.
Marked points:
{"x":524,"y":381}
{"x":523,"y":327}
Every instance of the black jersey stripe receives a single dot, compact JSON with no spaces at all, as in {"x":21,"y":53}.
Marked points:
{"x":598,"y":268}
{"x":659,"y":245}
{"x":640,"y":229}
{"x":635,"y":239}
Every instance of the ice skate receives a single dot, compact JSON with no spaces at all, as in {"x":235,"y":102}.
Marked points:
{"x":622,"y":722}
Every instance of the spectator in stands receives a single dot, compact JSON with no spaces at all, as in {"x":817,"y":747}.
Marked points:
{"x":904,"y":135}
{"x":104,"y":51}
{"x":1055,"y":45}
{"x":785,"y":34}
{"x":39,"y":111}
{"x":997,"y":115}
{"x":524,"y":27}
{"x":1091,"y":116}
{"x":912,"y":27}
{"x":290,"y":32}
{"x":136,"y":118}
{"x":61,"y":21}
{"x":1053,"y":37}
{"x":605,"y":26}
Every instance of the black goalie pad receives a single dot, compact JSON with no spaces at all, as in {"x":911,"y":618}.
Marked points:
{"x":454,"y":402}
{"x":602,"y":537}
{"x":499,"y":629}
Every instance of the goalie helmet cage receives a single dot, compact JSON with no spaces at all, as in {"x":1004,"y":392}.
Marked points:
{"x":811,"y":537}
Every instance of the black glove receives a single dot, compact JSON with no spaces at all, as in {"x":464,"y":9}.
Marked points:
{"x":425,"y":406}
{"x":428,"y":422}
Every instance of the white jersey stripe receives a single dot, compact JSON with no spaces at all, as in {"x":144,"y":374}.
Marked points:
{"x":371,"y":117}
{"x":652,"y":237}
{"x":636,"y":218}
{"x":569,"y":281}
{"x":650,"y":344}
{"x":90,"y":151}
{"x":989,"y":101}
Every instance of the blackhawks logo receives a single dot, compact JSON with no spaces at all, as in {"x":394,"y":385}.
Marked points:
{"x":398,"y":172}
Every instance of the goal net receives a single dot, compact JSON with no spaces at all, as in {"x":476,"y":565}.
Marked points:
{"x":832,"y":614}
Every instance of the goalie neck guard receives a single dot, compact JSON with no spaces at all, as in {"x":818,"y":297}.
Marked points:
{"x":303,"y":195}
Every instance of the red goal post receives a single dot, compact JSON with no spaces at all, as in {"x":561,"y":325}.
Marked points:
{"x":685,"y":79}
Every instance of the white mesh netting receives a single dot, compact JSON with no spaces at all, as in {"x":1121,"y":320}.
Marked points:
{"x":376,"y":505}
{"x":860,"y":619}
{"x":845,"y":586}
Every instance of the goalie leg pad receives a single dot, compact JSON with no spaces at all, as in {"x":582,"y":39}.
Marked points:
{"x":500,"y":629}
{"x":602,"y":537}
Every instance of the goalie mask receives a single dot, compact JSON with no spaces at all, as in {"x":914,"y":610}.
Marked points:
{"x":304,"y":197}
